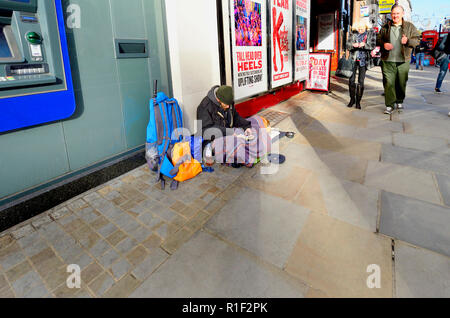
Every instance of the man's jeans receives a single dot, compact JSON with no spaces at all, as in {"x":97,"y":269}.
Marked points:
{"x":395,"y":76}
{"x":420,"y":57}
{"x":443,"y":72}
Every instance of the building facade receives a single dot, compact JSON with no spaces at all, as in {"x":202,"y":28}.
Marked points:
{"x":192,"y":46}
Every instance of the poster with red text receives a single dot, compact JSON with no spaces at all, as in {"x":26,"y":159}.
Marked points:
{"x":249,"y":47}
{"x":319,"y":72}
{"x":281,"y":37}
{"x":301,"y":36}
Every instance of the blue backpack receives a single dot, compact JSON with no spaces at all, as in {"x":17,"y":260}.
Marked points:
{"x":163,"y":131}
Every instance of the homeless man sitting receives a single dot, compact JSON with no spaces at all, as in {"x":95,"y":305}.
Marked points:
{"x":225,"y":132}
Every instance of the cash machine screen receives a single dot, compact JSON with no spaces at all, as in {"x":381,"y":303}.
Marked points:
{"x":5,"y":52}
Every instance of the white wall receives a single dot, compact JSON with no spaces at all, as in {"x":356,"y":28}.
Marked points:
{"x":194,"y":52}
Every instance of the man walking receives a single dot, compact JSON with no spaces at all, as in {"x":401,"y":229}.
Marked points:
{"x":397,"y":39}
{"x":420,"y":54}
{"x":445,"y":47}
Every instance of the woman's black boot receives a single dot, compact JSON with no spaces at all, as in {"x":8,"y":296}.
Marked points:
{"x":352,"y":90}
{"x":359,"y":95}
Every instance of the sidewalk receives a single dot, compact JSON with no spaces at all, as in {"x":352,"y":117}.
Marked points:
{"x":356,"y":190}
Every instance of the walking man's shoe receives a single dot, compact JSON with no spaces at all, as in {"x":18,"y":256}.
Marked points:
{"x":437,"y":90}
{"x":400,"y":106}
{"x":389,"y":110}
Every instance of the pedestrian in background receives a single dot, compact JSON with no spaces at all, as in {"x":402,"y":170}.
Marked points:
{"x":445,"y":47}
{"x":361,"y":43}
{"x":397,"y":39}
{"x":420,"y":54}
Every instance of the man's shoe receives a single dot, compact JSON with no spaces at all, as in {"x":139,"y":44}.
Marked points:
{"x":437,"y":90}
{"x":389,"y":110}
{"x":400,"y":106}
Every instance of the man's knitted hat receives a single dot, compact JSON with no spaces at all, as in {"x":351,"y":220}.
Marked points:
{"x":225,"y":95}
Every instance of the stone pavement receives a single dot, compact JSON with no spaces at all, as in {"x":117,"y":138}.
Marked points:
{"x":357,"y":190}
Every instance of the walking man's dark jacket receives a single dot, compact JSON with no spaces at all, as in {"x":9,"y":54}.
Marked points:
{"x":411,"y":33}
{"x":421,"y":48}
{"x":212,"y":115}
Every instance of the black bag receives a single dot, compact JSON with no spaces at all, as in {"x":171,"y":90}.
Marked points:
{"x":345,"y":67}
{"x":438,"y":54}
{"x":377,"y":61}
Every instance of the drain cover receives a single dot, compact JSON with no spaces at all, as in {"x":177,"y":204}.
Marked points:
{"x":274,"y":116}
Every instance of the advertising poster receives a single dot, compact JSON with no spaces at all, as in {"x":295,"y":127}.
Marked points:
{"x":302,"y":27}
{"x":249,"y":45}
{"x":326,"y":32}
{"x":319,"y":72}
{"x":282,"y":55}
{"x":385,"y":6}
{"x":364,"y":11}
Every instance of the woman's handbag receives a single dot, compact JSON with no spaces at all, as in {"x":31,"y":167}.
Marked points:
{"x":345,"y":67}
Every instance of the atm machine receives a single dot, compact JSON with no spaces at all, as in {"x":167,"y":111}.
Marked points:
{"x":35,"y":78}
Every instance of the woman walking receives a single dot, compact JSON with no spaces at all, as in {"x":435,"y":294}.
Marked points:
{"x":361,"y":42}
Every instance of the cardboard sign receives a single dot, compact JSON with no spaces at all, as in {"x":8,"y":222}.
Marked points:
{"x":319,"y":72}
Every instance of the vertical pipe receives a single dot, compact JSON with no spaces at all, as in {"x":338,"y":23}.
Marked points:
{"x":223,"y":77}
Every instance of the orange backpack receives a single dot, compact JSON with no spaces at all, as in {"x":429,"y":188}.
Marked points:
{"x":185,"y":167}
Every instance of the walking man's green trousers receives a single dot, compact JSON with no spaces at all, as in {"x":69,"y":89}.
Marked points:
{"x":395,"y":77}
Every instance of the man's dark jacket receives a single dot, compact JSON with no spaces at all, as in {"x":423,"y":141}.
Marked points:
{"x":421,"y":48}
{"x":444,"y":44}
{"x":407,"y":29}
{"x":213,"y":115}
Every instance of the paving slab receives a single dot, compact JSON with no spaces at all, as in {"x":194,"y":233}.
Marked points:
{"x":206,"y":267}
{"x":385,"y":124}
{"x":424,"y":143}
{"x":439,"y":163}
{"x":150,"y":264}
{"x":341,"y":116}
{"x":350,"y":202}
{"x":263,"y":224}
{"x":420,"y":273}
{"x":285,"y":183}
{"x":23,"y":285}
{"x":374,"y":135}
{"x":333,"y":256}
{"x":333,"y":128}
{"x":327,"y":162}
{"x":444,"y":187}
{"x":408,"y":181}
{"x":429,"y":125}
{"x":349,"y":146}
{"x":419,"y":223}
